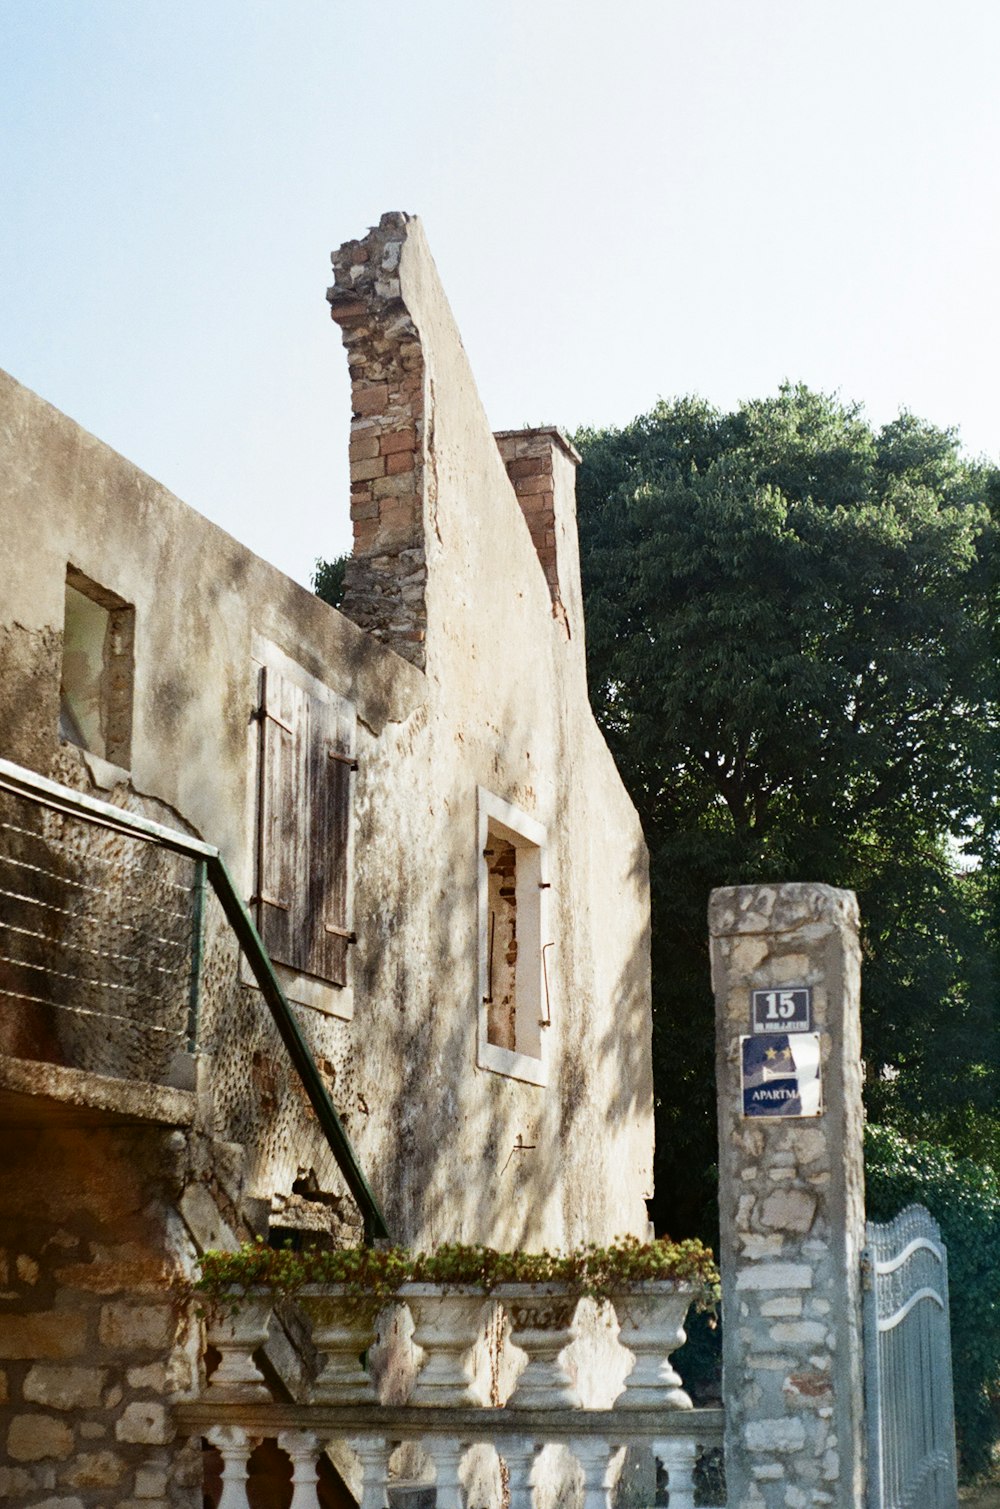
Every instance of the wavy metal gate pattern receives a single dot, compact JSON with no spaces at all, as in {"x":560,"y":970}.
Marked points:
{"x":908,"y":1384}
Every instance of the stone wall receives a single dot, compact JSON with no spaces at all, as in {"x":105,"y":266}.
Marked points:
{"x":791,"y":1199}
{"x":93,"y":1343}
{"x":460,"y":680}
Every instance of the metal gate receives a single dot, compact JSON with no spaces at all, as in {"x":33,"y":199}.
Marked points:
{"x":908,"y":1387}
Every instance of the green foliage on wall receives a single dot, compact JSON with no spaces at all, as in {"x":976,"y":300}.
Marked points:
{"x":964,"y":1199}
{"x":328,"y":579}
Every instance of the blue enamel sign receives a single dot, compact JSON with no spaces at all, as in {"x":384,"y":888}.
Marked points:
{"x":781,"y":1075}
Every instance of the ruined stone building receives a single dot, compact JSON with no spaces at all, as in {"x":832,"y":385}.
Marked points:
{"x":414,"y":799}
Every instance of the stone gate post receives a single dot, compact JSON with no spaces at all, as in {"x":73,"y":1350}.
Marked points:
{"x":786,"y":975}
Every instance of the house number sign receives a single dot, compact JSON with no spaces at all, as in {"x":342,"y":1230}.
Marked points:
{"x":785,"y":1009}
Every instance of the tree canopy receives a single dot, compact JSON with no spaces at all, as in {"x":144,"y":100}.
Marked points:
{"x":789,"y":624}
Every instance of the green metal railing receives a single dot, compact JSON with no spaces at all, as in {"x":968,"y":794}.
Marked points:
{"x":211,"y":870}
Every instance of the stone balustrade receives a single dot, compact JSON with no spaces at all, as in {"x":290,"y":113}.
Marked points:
{"x":526,"y":1398}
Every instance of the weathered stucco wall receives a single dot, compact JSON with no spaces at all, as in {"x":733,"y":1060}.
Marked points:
{"x":453,"y":1150}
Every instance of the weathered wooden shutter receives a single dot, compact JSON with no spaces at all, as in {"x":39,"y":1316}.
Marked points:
{"x":306,"y":760}
{"x":334,"y":760}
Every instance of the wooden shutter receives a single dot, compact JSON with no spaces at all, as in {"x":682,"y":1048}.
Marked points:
{"x":332,"y":784}
{"x":306,"y":760}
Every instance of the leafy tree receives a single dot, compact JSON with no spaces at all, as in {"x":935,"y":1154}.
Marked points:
{"x":788,"y":620}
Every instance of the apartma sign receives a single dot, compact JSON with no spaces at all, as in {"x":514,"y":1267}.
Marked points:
{"x":781,"y":1075}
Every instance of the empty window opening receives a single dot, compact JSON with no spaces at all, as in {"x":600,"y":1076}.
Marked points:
{"x":515,"y":1009}
{"x":95,"y":702}
{"x":501,"y":987}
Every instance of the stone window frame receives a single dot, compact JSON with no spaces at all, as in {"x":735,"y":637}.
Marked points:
{"x":534,"y":987}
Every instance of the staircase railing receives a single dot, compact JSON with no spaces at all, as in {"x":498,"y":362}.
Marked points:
{"x":212,"y":869}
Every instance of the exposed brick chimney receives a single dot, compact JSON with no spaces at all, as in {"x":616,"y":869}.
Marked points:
{"x":386,"y":577}
{"x":541,"y":464}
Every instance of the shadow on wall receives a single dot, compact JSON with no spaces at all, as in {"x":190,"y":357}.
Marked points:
{"x":453,"y":1152}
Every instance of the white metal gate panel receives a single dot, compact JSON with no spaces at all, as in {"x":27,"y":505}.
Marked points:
{"x":908,"y":1385}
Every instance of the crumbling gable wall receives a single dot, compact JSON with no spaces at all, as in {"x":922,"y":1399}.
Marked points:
{"x":495,"y":619}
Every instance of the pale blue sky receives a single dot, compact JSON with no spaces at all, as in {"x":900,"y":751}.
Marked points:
{"x":624,"y":201}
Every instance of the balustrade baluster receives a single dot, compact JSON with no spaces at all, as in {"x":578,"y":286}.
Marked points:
{"x":373,"y":1453}
{"x":678,"y":1456}
{"x":447,"y":1454}
{"x":543,"y":1324}
{"x":235,"y":1447}
{"x":303,"y":1448}
{"x":519,"y":1453}
{"x":236,"y":1336}
{"x":651,"y":1317}
{"x":594,"y":1456}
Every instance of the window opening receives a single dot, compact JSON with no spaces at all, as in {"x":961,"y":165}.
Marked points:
{"x":515,"y":972}
{"x":95,"y":695}
{"x":501,"y":1017}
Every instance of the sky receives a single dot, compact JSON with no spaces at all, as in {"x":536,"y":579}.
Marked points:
{"x":625,"y":202}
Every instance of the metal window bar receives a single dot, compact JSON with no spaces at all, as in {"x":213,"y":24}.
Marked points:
{"x":95,"y":859}
{"x":80,"y":948}
{"x":103,"y":1016}
{"x":26,"y":783}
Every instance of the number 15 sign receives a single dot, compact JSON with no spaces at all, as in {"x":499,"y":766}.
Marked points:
{"x":787,"y":1009}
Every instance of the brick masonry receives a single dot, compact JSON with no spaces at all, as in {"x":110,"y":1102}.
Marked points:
{"x":791,"y":1202}
{"x":529,"y":456}
{"x":386,"y":578}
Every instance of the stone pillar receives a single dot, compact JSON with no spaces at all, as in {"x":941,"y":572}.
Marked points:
{"x":791,"y":1195}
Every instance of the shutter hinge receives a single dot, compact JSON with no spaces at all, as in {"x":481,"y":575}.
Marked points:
{"x":284,"y":906}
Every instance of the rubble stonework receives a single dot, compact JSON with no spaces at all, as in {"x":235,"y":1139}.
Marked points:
{"x":384,"y":587}
{"x":791,"y":1203}
{"x":94,"y":1348}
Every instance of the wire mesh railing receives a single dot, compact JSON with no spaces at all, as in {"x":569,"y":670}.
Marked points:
{"x":98,"y":931}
